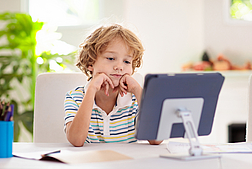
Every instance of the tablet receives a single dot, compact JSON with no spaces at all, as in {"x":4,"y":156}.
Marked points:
{"x":164,"y":94}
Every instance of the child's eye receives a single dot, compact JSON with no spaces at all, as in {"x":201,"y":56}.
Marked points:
{"x":110,"y":58}
{"x":127,"y":62}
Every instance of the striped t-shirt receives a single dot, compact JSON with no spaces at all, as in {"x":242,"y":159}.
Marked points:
{"x":117,"y":126}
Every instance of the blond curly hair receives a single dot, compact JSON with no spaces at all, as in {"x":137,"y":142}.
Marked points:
{"x":97,"y":42}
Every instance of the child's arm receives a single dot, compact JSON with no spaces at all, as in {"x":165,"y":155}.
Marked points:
{"x":77,"y":130}
{"x":155,"y":142}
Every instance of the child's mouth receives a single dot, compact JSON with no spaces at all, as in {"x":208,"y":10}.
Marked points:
{"x":116,"y":75}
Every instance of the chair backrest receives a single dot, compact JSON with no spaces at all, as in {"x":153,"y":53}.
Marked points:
{"x":49,"y":111}
{"x":49,"y":104}
{"x":249,"y":120}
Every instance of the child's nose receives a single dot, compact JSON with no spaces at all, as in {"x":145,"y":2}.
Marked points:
{"x":118,"y":66}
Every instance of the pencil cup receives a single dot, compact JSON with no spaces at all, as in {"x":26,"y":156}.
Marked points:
{"x":6,"y":138}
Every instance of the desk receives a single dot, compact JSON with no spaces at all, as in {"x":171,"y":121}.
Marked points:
{"x":144,"y":156}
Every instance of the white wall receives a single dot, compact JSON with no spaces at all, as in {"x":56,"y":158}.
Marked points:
{"x":222,"y":35}
{"x":10,"y":5}
{"x":171,"y":31}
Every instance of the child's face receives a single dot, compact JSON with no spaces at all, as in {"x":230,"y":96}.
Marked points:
{"x":115,"y":61}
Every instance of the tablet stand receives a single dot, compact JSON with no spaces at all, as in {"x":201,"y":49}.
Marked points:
{"x":195,"y":148}
{"x":195,"y":151}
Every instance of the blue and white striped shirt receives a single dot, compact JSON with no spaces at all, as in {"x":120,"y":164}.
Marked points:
{"x":117,"y":126}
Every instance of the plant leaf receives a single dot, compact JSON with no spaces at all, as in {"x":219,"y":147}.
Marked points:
{"x":27,"y":120}
{"x":16,"y":120}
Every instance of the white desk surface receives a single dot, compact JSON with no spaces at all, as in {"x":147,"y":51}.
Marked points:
{"x":143,"y":154}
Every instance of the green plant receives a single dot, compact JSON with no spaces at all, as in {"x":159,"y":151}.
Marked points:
{"x":19,"y":67}
{"x":241,"y":9}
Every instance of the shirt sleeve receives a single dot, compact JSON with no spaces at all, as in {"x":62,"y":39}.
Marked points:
{"x":135,"y":108}
{"x":71,"y":106}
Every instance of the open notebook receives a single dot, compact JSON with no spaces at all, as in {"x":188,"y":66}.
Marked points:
{"x":75,"y":157}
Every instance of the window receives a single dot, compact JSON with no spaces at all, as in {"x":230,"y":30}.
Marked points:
{"x":65,"y":12}
{"x":241,"y":9}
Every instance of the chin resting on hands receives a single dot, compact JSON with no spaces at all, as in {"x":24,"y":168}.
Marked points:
{"x":128,"y":84}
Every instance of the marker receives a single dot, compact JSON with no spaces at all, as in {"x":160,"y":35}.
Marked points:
{"x":9,"y":115}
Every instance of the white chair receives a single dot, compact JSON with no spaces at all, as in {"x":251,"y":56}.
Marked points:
{"x":49,"y":104}
{"x":249,"y":120}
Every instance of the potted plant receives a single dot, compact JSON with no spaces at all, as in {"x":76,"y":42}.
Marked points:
{"x":19,"y":67}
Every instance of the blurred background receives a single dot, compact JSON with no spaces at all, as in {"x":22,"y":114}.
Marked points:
{"x":174,"y":33}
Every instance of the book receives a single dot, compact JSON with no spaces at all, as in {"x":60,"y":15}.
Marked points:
{"x":75,"y":157}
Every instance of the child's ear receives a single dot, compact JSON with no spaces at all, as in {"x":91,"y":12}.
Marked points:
{"x":90,"y":68}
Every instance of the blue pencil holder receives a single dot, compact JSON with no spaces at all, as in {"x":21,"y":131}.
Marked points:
{"x":6,"y":138}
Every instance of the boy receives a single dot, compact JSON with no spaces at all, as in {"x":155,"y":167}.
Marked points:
{"x":106,"y":108}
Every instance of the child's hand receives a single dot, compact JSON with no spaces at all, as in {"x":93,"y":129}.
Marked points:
{"x":128,"y":84}
{"x":101,"y":82}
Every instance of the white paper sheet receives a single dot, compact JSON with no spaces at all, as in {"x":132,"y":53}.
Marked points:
{"x":181,"y":147}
